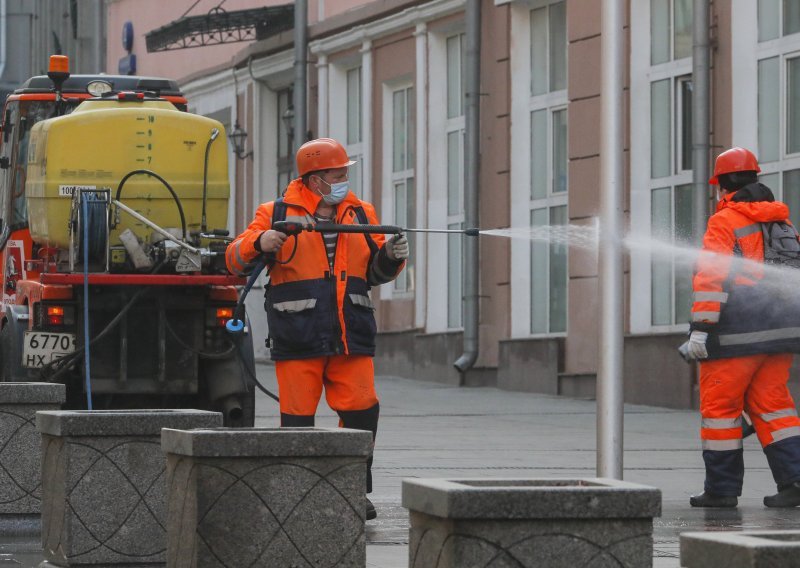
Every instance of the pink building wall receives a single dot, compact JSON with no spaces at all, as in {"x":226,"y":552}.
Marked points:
{"x":147,"y":15}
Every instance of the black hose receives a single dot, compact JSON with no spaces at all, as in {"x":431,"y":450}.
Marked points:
{"x":166,"y":184}
{"x":253,"y":378}
{"x":64,"y":363}
{"x":202,"y":354}
{"x":263,"y":262}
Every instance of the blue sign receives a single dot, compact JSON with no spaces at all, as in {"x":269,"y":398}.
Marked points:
{"x":127,"y":36}
{"x":127,"y":65}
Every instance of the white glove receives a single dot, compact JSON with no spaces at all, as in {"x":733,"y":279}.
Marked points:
{"x":397,"y":247}
{"x":697,"y":345}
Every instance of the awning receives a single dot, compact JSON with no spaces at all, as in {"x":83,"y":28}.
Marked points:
{"x":219,"y":26}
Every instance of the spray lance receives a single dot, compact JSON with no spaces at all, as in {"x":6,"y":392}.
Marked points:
{"x":235,"y":325}
{"x":293,"y":228}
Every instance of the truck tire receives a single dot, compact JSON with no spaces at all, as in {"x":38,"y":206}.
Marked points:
{"x":6,"y":348}
{"x":11,"y":346}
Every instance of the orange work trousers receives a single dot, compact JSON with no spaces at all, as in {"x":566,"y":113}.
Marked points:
{"x":349,"y":382}
{"x":754,"y":383}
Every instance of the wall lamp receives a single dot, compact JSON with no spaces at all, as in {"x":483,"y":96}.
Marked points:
{"x":237,"y":137}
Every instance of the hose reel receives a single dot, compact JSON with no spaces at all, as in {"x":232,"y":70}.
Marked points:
{"x":96,"y":220}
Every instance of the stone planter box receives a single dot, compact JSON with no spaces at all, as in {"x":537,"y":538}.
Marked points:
{"x":747,"y":549}
{"x":267,"y":497}
{"x":103,"y":484}
{"x":20,"y":452}
{"x":541,"y":523}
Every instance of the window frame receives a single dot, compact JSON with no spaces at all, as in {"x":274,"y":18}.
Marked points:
{"x":355,"y":150}
{"x":643,"y":74}
{"x":403,"y":176}
{"x":785,"y":48}
{"x":455,"y":125}
{"x":550,"y":102}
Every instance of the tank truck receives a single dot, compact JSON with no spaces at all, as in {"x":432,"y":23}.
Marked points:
{"x":113,"y":207}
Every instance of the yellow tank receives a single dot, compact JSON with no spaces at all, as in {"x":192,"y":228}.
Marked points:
{"x":101,"y":142}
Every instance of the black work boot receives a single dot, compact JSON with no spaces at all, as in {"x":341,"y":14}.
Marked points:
{"x":788,"y":497}
{"x":706,"y":499}
{"x":371,"y":512}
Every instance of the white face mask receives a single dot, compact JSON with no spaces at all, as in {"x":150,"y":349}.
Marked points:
{"x":338,"y":192}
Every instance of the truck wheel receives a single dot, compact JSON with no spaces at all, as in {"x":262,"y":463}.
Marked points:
{"x":6,"y":348}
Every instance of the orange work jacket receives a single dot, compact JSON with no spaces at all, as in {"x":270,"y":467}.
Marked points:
{"x":733,"y":297}
{"x":312,"y":310}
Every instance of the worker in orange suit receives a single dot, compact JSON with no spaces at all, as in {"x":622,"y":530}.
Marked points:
{"x":744,"y":338}
{"x":321,"y":323}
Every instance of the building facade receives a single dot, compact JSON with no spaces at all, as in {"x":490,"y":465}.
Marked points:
{"x":386,"y":78}
{"x":32,"y":30}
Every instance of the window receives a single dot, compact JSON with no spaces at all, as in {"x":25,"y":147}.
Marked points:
{"x":403,"y":175}
{"x":355,"y":129}
{"x":548,"y":173}
{"x":670,"y":170}
{"x":778,"y":96}
{"x":549,"y":49}
{"x":777,"y":18}
{"x":670,"y":30}
{"x":455,"y":176}
{"x":671,"y":282}
{"x":285,"y":145}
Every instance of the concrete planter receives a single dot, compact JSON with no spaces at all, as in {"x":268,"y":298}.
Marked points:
{"x":267,"y":497}
{"x":748,"y":549}
{"x":20,"y":452}
{"x":103,"y":491}
{"x":530,"y":523}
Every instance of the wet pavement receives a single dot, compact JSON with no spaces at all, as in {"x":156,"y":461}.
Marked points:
{"x":432,"y":430}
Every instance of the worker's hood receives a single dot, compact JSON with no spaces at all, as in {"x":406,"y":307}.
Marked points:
{"x":756,"y":202}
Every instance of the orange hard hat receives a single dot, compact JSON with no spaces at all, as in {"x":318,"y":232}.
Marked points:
{"x":734,"y":160}
{"x":321,"y":154}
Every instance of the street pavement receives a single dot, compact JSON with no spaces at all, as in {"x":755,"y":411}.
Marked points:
{"x":433,"y":430}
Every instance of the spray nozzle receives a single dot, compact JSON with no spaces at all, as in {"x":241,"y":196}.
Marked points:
{"x":474,"y":232}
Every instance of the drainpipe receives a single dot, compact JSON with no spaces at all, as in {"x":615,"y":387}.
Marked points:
{"x":700,"y":117}
{"x":612,"y":178}
{"x":472,"y":70}
{"x":300,"y":71}
{"x":99,"y":37}
{"x":3,"y":36}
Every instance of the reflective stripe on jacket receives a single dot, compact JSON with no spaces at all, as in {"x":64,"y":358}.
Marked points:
{"x":313,"y":311}
{"x":741,"y":315}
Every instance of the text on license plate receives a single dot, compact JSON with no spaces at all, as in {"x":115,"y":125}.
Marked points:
{"x":39,"y":347}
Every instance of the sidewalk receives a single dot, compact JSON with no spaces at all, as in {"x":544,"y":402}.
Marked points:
{"x":431,"y":430}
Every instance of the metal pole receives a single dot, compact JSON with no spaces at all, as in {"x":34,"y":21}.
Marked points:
{"x":300,"y":71}
{"x":700,"y":118}
{"x":472,"y":156}
{"x":609,"y":377}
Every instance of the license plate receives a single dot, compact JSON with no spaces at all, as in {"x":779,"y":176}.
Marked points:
{"x":40,"y":348}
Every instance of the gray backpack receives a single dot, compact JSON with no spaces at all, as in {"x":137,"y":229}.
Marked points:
{"x":781,"y":244}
